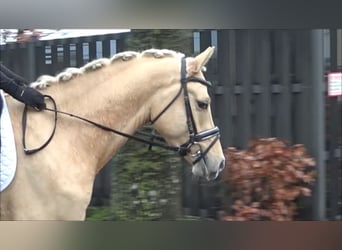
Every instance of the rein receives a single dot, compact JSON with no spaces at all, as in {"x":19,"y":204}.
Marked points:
{"x":24,"y":125}
{"x":194,"y":136}
{"x":55,"y":111}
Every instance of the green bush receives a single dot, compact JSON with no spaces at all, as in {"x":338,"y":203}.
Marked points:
{"x":146,"y":184}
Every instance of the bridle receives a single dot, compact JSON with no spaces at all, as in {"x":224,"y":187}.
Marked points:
{"x":195,"y":137}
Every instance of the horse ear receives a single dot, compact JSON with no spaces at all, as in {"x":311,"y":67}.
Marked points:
{"x":202,"y":59}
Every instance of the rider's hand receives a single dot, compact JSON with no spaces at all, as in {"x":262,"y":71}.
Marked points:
{"x":31,"y":97}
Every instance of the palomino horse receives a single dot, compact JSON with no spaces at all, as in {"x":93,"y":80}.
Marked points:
{"x":122,"y":94}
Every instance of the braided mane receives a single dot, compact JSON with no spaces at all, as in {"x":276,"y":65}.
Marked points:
{"x":72,"y":72}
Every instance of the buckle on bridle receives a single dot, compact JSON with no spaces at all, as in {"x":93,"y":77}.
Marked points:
{"x":198,"y":153}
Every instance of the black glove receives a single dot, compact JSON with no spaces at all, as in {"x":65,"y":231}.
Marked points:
{"x":30,"y":97}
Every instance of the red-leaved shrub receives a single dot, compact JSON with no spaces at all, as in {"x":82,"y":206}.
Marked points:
{"x":267,"y":178}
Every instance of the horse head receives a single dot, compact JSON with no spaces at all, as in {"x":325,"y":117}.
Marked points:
{"x":181,"y":113}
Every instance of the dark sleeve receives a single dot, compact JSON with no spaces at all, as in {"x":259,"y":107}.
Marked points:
{"x":10,"y":74}
{"x":8,"y":85}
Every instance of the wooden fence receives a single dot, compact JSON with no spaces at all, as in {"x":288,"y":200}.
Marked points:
{"x":272,"y":83}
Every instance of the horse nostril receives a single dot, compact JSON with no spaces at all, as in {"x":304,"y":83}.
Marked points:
{"x":222,"y":165}
{"x":213,"y":175}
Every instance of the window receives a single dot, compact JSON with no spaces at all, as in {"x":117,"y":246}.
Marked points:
{"x":112,"y":45}
{"x":196,"y":42}
{"x":99,"y":53}
{"x":60,"y":53}
{"x":85,"y":48}
{"x":48,"y":54}
{"x":72,"y":48}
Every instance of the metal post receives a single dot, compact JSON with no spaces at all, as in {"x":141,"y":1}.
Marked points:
{"x":334,"y":132}
{"x":318,"y":129}
{"x":339,"y":48}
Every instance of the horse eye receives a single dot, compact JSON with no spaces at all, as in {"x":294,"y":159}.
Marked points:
{"x":202,"y":105}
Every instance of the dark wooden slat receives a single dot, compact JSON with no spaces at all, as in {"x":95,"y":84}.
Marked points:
{"x":263,"y":100}
{"x":243,"y":121}
{"x":301,"y":100}
{"x":223,"y":100}
{"x":282,"y":101}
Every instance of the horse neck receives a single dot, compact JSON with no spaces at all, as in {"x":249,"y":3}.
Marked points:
{"x":117,"y":97}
